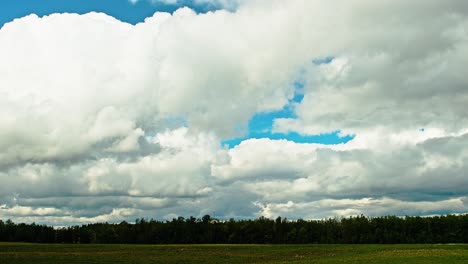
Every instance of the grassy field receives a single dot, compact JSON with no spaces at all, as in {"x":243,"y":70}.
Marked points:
{"x":59,"y":253}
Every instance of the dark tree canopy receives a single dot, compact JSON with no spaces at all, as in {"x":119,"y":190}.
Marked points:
{"x":360,"y":229}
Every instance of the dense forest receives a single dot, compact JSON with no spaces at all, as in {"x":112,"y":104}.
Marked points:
{"x":360,"y":229}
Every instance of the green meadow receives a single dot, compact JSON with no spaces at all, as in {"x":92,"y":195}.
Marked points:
{"x":11,"y":253}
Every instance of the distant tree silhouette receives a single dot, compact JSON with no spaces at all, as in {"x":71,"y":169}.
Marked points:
{"x":359,"y":229}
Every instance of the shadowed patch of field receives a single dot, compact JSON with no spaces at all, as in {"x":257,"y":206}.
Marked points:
{"x":94,"y":253}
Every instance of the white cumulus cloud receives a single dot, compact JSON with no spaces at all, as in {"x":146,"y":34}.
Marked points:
{"x":101,"y":120}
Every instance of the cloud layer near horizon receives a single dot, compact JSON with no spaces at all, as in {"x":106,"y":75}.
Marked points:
{"x":104,"y":121}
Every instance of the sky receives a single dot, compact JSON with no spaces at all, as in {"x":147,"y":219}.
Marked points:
{"x":115,"y":110}
{"x":124,"y":10}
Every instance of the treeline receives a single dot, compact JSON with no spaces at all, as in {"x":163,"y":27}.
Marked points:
{"x":361,"y":229}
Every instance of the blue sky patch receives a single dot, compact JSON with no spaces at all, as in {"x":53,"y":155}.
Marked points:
{"x":261,"y":125}
{"x":123,"y":10}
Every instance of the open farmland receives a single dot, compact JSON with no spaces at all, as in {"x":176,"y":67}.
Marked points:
{"x":11,"y":253}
